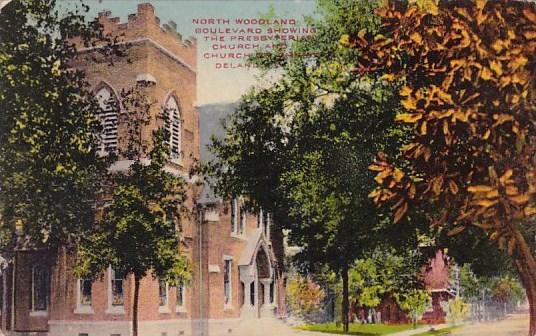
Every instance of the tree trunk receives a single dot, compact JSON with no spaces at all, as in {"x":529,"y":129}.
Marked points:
{"x":532,"y":304}
{"x":529,"y":282}
{"x":135,"y":306}
{"x":526,"y":267}
{"x":345,"y":301}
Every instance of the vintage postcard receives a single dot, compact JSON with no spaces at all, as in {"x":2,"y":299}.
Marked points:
{"x":270,"y":167}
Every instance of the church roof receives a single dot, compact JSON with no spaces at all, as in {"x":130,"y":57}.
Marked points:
{"x":210,"y":124}
{"x":248,"y":254}
{"x":208,"y":196}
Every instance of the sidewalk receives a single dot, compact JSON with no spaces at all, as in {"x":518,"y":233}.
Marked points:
{"x":268,"y":326}
{"x":419,"y":330}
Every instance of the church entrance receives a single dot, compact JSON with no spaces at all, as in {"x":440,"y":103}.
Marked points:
{"x":264,"y":282}
{"x":257,"y":279}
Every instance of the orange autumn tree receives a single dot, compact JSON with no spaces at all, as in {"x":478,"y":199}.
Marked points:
{"x":304,"y":296}
{"x":467,"y":74}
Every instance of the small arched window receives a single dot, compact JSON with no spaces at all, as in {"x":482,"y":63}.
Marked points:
{"x":172,"y":124}
{"x":180,"y":297}
{"x":108,"y":117}
{"x":238,"y":217}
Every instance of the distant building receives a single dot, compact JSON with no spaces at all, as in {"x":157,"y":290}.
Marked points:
{"x":237,"y":256}
{"x":436,"y":278}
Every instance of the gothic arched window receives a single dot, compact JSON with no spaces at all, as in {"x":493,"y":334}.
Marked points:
{"x":108,"y":117}
{"x":172,"y":124}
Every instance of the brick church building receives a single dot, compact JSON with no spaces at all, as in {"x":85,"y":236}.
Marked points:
{"x":237,"y":256}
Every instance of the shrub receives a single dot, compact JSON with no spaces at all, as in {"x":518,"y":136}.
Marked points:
{"x":304,"y":296}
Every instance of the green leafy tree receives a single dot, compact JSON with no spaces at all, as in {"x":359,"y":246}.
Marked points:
{"x":507,"y":290}
{"x":385,"y":272}
{"x":503,"y":288}
{"x":415,"y":302}
{"x":457,"y":310}
{"x":139,"y":231}
{"x":468,"y":71}
{"x":48,"y":127}
{"x":475,"y":252}
{"x":470,"y":284}
{"x":365,"y":287}
{"x":314,"y":131}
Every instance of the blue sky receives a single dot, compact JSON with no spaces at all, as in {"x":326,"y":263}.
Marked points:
{"x":223,"y":85}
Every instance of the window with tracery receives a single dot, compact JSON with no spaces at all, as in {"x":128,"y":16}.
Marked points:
{"x":172,"y":124}
{"x":108,"y":116}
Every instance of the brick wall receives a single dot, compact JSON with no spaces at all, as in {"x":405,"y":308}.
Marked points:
{"x":171,"y":61}
{"x":221,"y":243}
{"x":25,"y":319}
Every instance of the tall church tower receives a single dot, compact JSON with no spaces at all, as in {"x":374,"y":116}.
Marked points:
{"x":47,"y":298}
{"x":237,"y":256}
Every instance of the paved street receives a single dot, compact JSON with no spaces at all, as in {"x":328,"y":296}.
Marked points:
{"x":515,"y":325}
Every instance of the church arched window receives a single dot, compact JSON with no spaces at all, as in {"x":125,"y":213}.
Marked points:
{"x":108,"y":117}
{"x":172,"y":124}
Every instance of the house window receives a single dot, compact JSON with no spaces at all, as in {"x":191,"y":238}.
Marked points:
{"x":260,"y":219}
{"x":85,"y":292}
{"x":267,"y":223}
{"x":108,"y":118}
{"x":242,"y":223}
{"x":172,"y":125}
{"x":263,"y":222}
{"x":234,"y":215}
{"x":180,"y":297}
{"x":238,"y":217}
{"x":117,"y":285}
{"x":40,"y":288}
{"x":227,"y":263}
{"x":163,"y":293}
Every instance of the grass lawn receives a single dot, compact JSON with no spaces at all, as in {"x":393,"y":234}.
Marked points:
{"x":439,"y":332}
{"x":357,"y":328}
